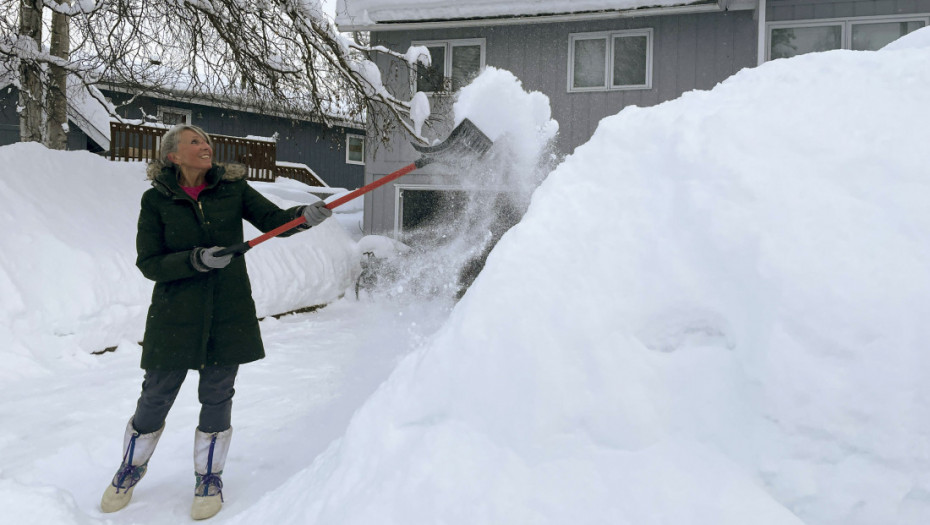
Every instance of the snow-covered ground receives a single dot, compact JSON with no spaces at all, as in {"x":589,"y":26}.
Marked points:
{"x":714,"y":312}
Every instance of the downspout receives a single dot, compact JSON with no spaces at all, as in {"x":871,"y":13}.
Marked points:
{"x":762,"y":34}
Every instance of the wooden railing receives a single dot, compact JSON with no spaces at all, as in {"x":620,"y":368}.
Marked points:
{"x":300,"y":172}
{"x":132,"y":142}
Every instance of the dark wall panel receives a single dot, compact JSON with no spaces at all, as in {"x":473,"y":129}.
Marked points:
{"x":9,"y":118}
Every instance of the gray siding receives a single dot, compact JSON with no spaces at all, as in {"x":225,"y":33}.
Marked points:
{"x":689,"y":52}
{"x":781,"y":10}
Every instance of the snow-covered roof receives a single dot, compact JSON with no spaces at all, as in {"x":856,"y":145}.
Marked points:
{"x":386,"y":14}
{"x":84,"y":110}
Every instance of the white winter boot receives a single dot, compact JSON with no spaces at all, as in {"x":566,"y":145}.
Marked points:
{"x":137,"y":449}
{"x":209,"y":458}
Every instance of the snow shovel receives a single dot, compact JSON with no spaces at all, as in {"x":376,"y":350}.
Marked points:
{"x":465,"y":141}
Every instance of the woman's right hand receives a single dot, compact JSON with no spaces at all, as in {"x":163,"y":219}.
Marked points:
{"x":203,"y":259}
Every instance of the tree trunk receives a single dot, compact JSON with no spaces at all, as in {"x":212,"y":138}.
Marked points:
{"x":30,"y":90}
{"x":57,"y":95}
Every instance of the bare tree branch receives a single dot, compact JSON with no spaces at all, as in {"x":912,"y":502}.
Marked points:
{"x":283,"y":56}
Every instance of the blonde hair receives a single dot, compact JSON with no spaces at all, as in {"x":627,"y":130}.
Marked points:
{"x":169,"y":141}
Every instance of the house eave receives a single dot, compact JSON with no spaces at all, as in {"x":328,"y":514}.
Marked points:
{"x":711,"y":7}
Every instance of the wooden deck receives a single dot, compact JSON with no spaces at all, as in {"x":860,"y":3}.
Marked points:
{"x":130,"y":142}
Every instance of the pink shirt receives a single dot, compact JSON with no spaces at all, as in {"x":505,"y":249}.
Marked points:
{"x":195,"y":191}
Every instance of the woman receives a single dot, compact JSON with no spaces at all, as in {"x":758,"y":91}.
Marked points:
{"x":202,"y":315}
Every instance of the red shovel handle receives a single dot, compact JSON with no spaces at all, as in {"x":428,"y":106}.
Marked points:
{"x":376,"y":184}
{"x":246,"y":246}
{"x":465,"y":141}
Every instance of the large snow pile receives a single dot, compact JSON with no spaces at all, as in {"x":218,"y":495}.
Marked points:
{"x":67,"y":258}
{"x":714,"y":312}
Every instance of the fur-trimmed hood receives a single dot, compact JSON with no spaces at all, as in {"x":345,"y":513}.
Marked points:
{"x":165,"y":178}
{"x":229,"y":172}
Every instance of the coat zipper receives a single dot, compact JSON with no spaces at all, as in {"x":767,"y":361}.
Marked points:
{"x":202,"y":218}
{"x":207,"y":316}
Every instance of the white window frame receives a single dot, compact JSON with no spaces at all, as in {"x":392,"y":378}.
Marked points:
{"x":846,"y":24}
{"x":168,"y":109}
{"x":400,"y":187}
{"x":398,"y":205}
{"x":349,"y":137}
{"x":609,"y":59}
{"x":447,"y":67}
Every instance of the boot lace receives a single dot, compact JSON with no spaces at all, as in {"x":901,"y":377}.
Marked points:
{"x":210,"y":478}
{"x":128,"y":472}
{"x":206,"y":481}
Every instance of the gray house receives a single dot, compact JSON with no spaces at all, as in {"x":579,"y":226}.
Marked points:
{"x":592,"y":63}
{"x":335,"y":153}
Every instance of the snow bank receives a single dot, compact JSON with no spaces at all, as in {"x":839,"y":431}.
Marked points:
{"x":67,"y":258}
{"x":914,"y":40}
{"x":715,"y":311}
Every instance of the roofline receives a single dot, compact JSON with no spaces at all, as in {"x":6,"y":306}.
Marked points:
{"x":174,"y":96}
{"x":101,"y":137}
{"x":713,"y":7}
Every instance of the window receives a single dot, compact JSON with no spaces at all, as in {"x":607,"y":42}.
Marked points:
{"x":355,"y":149}
{"x":427,"y":213}
{"x":610,"y":61}
{"x":876,"y":35}
{"x":791,"y":41}
{"x":589,"y":56}
{"x":454,"y":64}
{"x":788,"y":39}
{"x":172,"y":116}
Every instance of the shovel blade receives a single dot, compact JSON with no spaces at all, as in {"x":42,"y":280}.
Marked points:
{"x":466,"y":142}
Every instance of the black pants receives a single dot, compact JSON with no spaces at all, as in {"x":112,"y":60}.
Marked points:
{"x":160,"y":388}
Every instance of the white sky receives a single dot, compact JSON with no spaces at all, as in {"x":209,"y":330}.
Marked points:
{"x":329,"y":7}
{"x":713,"y":312}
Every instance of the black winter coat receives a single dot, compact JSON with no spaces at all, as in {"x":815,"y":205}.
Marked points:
{"x":199,"y":319}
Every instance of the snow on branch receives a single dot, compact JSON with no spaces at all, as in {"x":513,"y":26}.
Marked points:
{"x":81,"y":7}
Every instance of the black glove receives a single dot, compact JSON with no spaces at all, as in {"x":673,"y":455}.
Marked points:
{"x":316,"y":213}
{"x":203,"y":260}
